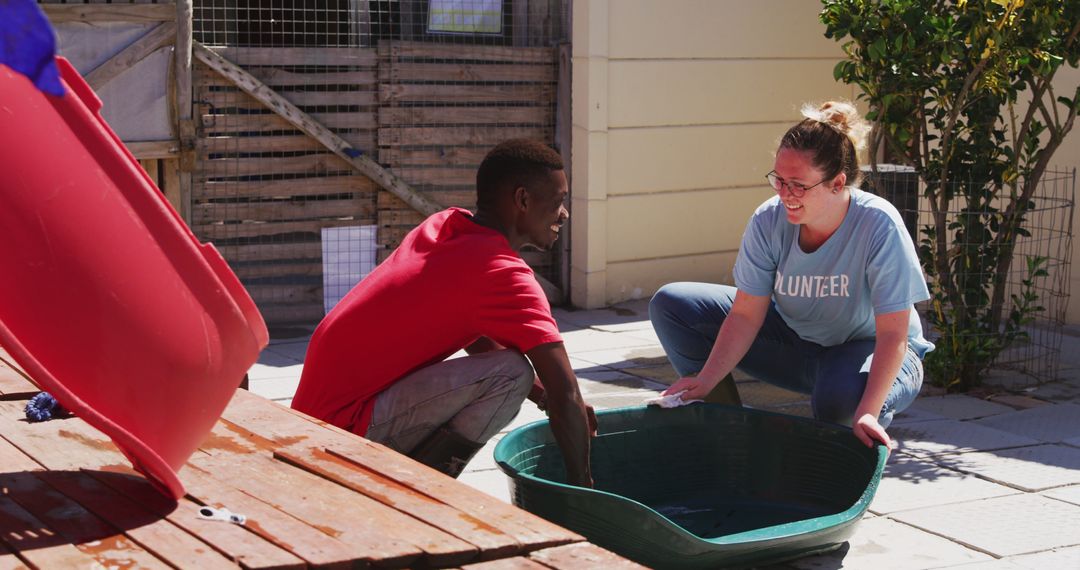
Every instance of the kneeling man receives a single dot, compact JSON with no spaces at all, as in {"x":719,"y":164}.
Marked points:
{"x":377,"y":364}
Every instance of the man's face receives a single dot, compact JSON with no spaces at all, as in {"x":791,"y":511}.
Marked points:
{"x":546,"y":211}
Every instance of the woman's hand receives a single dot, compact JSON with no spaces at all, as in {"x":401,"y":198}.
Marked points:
{"x":868,"y":430}
{"x":696,"y":388}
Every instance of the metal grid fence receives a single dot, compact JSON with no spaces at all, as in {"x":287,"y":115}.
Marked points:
{"x":1034,"y":356}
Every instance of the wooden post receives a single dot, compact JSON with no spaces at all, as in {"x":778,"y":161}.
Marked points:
{"x":519,"y":22}
{"x":563,"y":136}
{"x":304,"y":122}
{"x":185,"y":124}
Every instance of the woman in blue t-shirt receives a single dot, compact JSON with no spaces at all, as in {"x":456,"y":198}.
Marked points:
{"x":825,"y":285}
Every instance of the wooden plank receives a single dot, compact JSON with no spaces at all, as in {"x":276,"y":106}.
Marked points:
{"x":582,"y":555}
{"x":483,"y":135}
{"x":283,"y":188}
{"x":310,"y":293}
{"x":14,"y":385}
{"x":399,"y":72}
{"x":36,"y":543}
{"x":516,"y":563}
{"x":150,"y":531}
{"x":153,"y":150}
{"x":162,"y":35}
{"x":281,"y":56}
{"x":110,"y":12}
{"x":277,"y":77}
{"x":491,"y":542}
{"x":394,"y":538}
{"x":311,"y":164}
{"x":438,"y":156}
{"x":304,"y":122}
{"x":239,"y":100}
{"x":75,"y":524}
{"x":13,"y":459}
{"x":171,"y":181}
{"x":235,"y":123}
{"x":309,"y":543}
{"x":429,"y":50}
{"x":305,"y":268}
{"x":541,"y":93}
{"x":442,"y":176}
{"x":274,"y":251}
{"x":8,"y":560}
{"x":235,"y":542}
{"x":408,"y":116}
{"x":247,"y":145}
{"x":360,"y":206}
{"x":274,"y":313}
{"x":72,"y":444}
{"x":150,"y":166}
{"x":257,"y":229}
{"x":292,"y":430}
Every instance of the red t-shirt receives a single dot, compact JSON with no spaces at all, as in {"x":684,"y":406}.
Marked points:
{"x":450,"y":282}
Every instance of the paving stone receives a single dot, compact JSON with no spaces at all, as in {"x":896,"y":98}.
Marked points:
{"x":623,"y":357}
{"x":645,"y":334}
{"x":295,"y":350}
{"x":951,"y":436}
{"x":275,"y":360}
{"x":914,"y":415}
{"x":491,"y":481}
{"x":1067,"y":494}
{"x":1062,"y":558}
{"x":621,"y":314}
{"x":661,"y":373}
{"x":911,"y":483}
{"x":881,"y":543}
{"x":1060,"y":391}
{"x":285,"y":368}
{"x":608,"y":381}
{"x":1052,"y":423}
{"x":1032,"y":468}
{"x":1018,"y":401}
{"x":1002,"y":526}
{"x":992,"y":564}
{"x":274,"y":388}
{"x":589,"y":340}
{"x":959,"y":406}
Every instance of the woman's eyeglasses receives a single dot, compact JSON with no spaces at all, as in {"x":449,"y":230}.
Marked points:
{"x":797,"y":190}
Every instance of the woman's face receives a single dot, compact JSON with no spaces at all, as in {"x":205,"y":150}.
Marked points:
{"x":793,"y":168}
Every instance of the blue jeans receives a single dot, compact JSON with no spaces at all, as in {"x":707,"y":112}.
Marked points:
{"x":687,"y":318}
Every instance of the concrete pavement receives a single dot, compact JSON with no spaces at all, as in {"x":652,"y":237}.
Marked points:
{"x":980,"y":482}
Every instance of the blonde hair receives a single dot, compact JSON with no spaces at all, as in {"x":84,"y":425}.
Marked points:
{"x":833,"y":134}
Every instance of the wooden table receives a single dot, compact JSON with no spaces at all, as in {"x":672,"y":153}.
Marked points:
{"x":312,"y":495}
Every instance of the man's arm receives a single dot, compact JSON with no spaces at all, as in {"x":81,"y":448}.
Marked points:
{"x":565,"y":408}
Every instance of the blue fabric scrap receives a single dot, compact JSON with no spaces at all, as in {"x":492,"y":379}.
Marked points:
{"x":28,"y":44}
{"x":43,"y":407}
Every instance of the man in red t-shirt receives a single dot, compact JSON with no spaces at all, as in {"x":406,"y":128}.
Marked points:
{"x":377,"y":364}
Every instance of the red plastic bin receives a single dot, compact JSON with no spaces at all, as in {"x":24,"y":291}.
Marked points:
{"x":106,"y":297}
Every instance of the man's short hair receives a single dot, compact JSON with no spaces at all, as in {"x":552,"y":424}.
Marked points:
{"x":513,"y":163}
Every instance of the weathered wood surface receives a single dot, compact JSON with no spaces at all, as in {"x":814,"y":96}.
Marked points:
{"x":313,"y":496}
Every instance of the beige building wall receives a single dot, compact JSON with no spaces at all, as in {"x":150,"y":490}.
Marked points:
{"x":1068,"y":157}
{"x":677,"y":109}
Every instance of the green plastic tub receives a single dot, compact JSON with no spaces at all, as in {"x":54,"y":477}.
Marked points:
{"x":701,"y":486}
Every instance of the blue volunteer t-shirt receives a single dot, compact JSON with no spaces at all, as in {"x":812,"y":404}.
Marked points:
{"x":829,"y":297}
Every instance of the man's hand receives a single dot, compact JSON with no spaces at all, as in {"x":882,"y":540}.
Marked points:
{"x":868,"y":430}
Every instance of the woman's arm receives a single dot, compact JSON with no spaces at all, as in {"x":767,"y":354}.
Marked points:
{"x":889,"y":349}
{"x":738,"y":332}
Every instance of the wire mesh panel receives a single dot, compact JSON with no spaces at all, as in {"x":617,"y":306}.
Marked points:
{"x":423,"y":87}
{"x":1034,"y":291}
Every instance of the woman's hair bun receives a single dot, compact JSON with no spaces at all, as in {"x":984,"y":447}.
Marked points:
{"x":842,"y":116}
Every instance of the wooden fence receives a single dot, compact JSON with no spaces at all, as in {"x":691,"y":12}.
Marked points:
{"x":262,"y":190}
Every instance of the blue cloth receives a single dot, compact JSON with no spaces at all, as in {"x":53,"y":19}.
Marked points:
{"x":830,"y":296}
{"x":43,"y":407}
{"x":28,"y":45}
{"x":687,"y":319}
